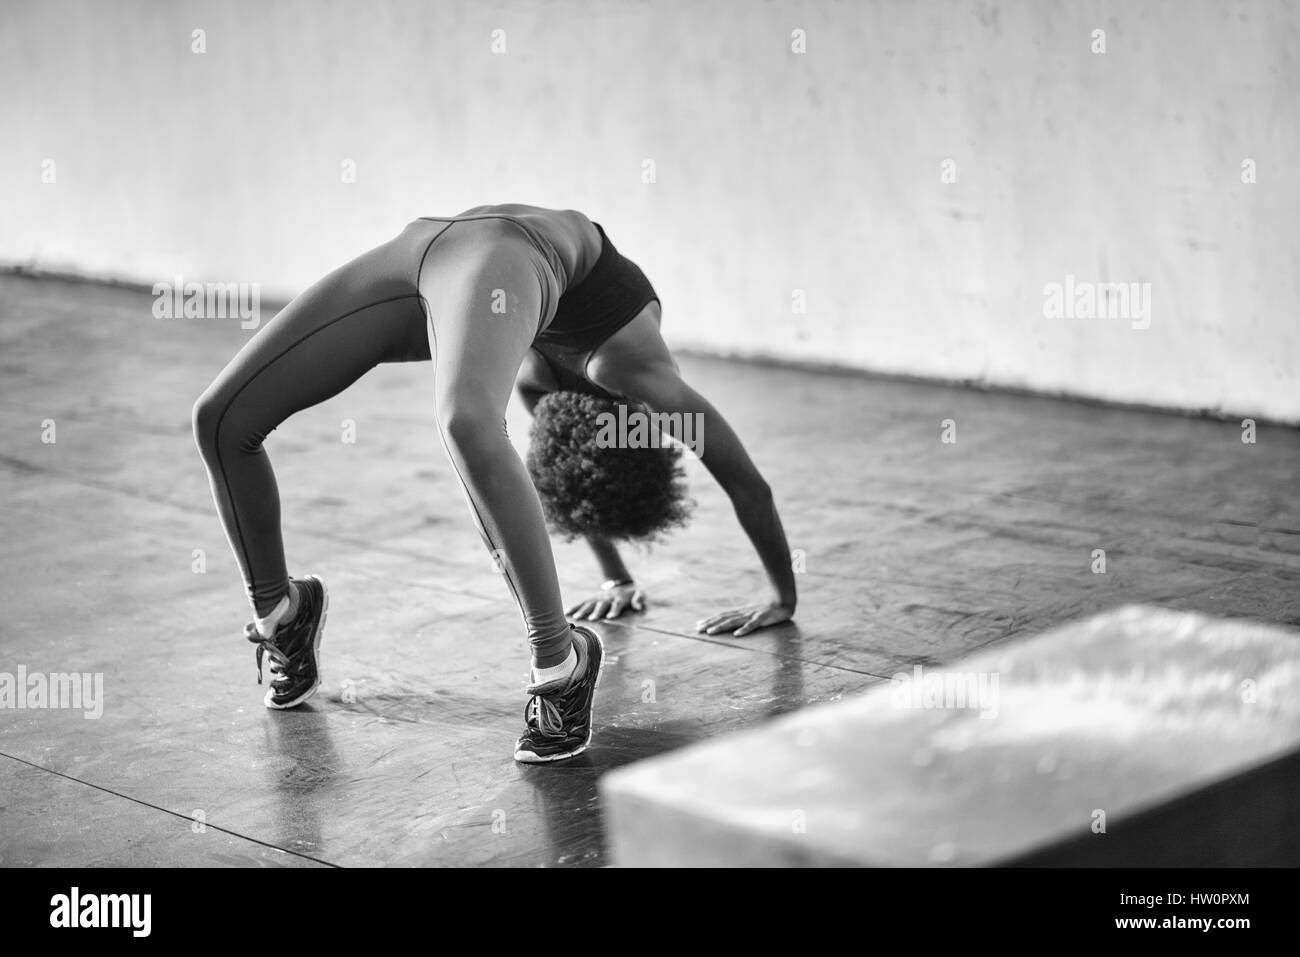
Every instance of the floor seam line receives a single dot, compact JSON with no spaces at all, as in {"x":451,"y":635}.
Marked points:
{"x":710,"y":640}
{"x":176,"y":814}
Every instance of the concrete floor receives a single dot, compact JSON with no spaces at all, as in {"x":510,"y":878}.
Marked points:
{"x":916,"y":552}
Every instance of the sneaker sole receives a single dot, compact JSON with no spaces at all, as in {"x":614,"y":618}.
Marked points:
{"x":528,"y":757}
{"x":316,"y":639}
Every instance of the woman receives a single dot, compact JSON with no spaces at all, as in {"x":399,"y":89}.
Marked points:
{"x":495,"y":294}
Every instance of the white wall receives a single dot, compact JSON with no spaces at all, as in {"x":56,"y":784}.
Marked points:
{"x":775,"y":171}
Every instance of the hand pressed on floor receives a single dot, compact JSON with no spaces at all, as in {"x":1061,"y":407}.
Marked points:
{"x":746,"y":619}
{"x":608,"y":604}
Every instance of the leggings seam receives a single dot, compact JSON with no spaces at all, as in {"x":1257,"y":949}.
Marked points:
{"x":419,"y":271}
{"x":216,"y":433}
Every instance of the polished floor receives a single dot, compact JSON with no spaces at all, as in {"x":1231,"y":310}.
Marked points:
{"x":915,"y":551}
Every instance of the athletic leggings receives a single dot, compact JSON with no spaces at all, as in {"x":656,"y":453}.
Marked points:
{"x":472,"y":293}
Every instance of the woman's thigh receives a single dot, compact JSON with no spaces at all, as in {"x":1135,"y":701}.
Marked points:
{"x":486,"y":290}
{"x":360,"y":315}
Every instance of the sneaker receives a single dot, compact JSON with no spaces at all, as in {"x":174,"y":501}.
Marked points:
{"x":294,"y":648}
{"x":558,"y":714}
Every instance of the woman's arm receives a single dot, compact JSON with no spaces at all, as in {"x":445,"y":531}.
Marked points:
{"x":711,"y":438}
{"x":610,"y":561}
{"x":619,"y":592}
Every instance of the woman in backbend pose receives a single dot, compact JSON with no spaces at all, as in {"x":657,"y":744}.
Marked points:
{"x":495,"y":294}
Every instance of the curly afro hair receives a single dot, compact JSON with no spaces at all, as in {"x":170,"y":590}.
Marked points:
{"x":624,"y":494}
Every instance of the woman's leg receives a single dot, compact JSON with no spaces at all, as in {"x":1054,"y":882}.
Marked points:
{"x":487,"y":290}
{"x":362,"y":314}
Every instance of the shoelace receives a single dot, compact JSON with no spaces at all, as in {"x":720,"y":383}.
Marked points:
{"x":542,"y":714}
{"x":266,"y":646}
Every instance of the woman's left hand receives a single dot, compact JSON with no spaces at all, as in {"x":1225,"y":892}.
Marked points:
{"x":746,"y":619}
{"x":610,"y":603}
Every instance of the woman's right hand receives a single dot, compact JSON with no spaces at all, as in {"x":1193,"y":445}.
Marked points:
{"x":609,"y":604}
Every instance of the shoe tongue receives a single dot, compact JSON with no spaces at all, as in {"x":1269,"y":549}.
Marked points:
{"x":559,"y":684}
{"x":553,"y":686}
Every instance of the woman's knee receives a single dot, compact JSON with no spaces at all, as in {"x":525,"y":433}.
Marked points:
{"x":468,"y":429}
{"x":206,"y":419}
{"x":222,"y":424}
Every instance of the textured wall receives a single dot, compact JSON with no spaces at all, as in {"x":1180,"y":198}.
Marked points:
{"x":775,"y":171}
